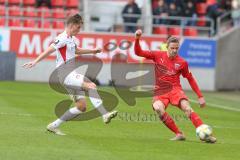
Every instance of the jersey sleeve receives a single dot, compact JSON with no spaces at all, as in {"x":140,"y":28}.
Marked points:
{"x":193,"y":83}
{"x":186,"y":72}
{"x":142,"y":53}
{"x":58,"y":43}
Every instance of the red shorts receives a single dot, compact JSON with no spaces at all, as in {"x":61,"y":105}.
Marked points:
{"x":173,"y":97}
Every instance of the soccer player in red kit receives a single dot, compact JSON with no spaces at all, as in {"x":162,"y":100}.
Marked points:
{"x":168,"y":68}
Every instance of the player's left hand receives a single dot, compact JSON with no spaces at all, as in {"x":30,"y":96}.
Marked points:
{"x":29,"y":64}
{"x":202,"y":102}
{"x":97,"y":50}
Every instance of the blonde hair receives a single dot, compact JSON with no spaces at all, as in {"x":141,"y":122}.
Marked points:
{"x":172,"y":40}
{"x":75,"y":19}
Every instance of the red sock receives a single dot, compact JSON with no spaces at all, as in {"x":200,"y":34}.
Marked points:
{"x":196,"y":120}
{"x":168,"y":121}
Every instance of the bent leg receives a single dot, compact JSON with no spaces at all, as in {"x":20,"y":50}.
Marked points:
{"x":193,"y":116}
{"x":159,"y":107}
{"x":97,"y":102}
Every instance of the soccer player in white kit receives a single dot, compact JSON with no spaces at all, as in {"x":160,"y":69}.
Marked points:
{"x":66,"y":49}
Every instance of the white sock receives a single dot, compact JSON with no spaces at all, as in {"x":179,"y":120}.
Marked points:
{"x":68,"y":115}
{"x":57,"y":122}
{"x":74,"y":110}
{"x":96,"y":101}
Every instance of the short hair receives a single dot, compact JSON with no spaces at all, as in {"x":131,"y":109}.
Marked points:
{"x":172,"y":40}
{"x":75,"y":19}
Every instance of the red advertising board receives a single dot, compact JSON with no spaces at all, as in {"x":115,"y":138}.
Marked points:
{"x":29,"y":44}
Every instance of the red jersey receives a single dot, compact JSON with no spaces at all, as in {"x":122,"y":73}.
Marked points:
{"x":168,"y":70}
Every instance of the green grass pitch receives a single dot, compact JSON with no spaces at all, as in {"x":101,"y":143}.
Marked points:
{"x":26,"y":109}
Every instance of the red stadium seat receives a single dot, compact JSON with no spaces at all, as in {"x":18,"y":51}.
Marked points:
{"x":2,"y":22}
{"x":45,"y":24}
{"x":30,"y":12}
{"x":174,"y":31}
{"x":14,"y":23}
{"x":201,"y":8}
{"x":72,"y":11}
{"x":202,"y":21}
{"x":2,"y":1}
{"x":72,"y":3}
{"x":45,"y":12}
{"x":59,"y":13}
{"x":190,"y":32}
{"x":160,"y":30}
{"x":154,"y":4}
{"x":14,"y":2}
{"x":29,"y":23}
{"x":211,"y":2}
{"x":29,"y":2}
{"x":15,"y":11}
{"x":2,"y":10}
{"x":58,"y":3}
{"x":58,"y":25}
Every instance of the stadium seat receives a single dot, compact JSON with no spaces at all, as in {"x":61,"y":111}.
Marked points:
{"x":190,"y":32}
{"x":72,"y":3}
{"x":58,"y":3}
{"x":15,"y":11}
{"x":201,"y":8}
{"x":160,"y":30}
{"x":2,"y":21}
{"x":202,"y":21}
{"x":14,"y":23}
{"x":2,"y":10}
{"x":174,"y":31}
{"x":58,"y":13}
{"x":45,"y":12}
{"x":72,"y":11}
{"x":58,"y":25}
{"x":30,"y":12}
{"x":29,"y":2}
{"x":29,"y":23}
{"x":45,"y":24}
{"x":17,"y":2}
{"x":2,"y":1}
{"x":211,"y":2}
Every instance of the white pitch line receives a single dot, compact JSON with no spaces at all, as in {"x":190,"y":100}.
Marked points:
{"x":117,"y":119}
{"x":218,"y":106}
{"x":22,"y":114}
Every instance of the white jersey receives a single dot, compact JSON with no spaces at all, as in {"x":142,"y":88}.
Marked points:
{"x":65,"y":48}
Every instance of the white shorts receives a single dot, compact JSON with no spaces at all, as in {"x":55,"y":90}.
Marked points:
{"x":73,"y":84}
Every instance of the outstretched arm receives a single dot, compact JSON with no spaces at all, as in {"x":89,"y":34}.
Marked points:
{"x":187,"y":74}
{"x":87,"y":51}
{"x":44,"y":54}
{"x":137,"y":48}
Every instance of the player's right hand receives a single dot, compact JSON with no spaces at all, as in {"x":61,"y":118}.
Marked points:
{"x":29,"y":64}
{"x":202,"y":102}
{"x":97,"y":50}
{"x":138,"y":33}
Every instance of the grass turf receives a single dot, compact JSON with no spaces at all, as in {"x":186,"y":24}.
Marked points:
{"x":26,"y":109}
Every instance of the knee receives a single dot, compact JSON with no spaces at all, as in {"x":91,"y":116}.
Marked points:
{"x":90,"y":85}
{"x":81,"y":105}
{"x":188,"y":111}
{"x":186,"y":108}
{"x":159,"y":108}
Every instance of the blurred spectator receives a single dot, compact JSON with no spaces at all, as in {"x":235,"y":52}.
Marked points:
{"x":46,"y":2}
{"x":131,"y":8}
{"x":226,"y":5}
{"x":161,"y":11}
{"x":214,"y":11}
{"x":174,"y":11}
{"x":236,"y":12}
{"x":189,"y":11}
